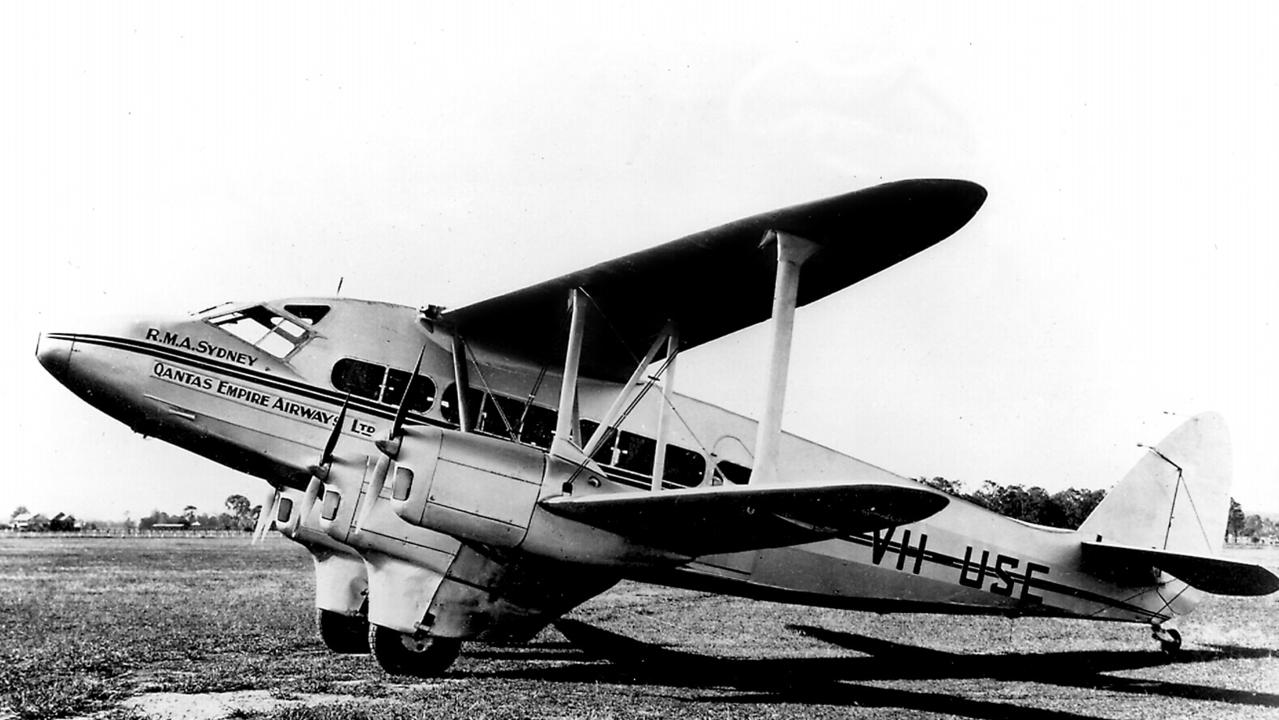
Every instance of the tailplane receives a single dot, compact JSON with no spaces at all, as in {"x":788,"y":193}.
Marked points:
{"x":1176,"y":498}
{"x":1169,"y":515}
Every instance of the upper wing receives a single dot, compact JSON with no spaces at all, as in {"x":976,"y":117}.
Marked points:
{"x":706,"y":521}
{"x":718,"y":281}
{"x":1210,"y":574}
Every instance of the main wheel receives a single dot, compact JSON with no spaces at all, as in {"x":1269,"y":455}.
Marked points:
{"x":346,"y":634}
{"x":1172,"y":644}
{"x":402,"y":654}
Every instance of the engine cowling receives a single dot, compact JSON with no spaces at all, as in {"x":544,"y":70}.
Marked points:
{"x":485,"y":491}
{"x":475,"y":488}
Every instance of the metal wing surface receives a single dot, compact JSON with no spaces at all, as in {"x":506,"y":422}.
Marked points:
{"x":718,"y":281}
{"x":705,"y":521}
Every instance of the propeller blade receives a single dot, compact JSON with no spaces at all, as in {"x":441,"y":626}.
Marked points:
{"x":265,"y":516}
{"x":308,"y":498}
{"x":403,"y":410}
{"x":327,"y":457}
{"x":375,"y":489}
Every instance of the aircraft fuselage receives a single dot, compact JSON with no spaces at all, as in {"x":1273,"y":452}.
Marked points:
{"x":267,"y":406}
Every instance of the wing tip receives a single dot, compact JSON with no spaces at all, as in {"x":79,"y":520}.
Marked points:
{"x":958,"y":198}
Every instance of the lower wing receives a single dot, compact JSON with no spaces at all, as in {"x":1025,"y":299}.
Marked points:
{"x":706,"y":521}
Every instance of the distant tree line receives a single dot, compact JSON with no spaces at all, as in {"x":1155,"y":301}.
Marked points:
{"x":240,"y":514}
{"x":1069,"y":508}
{"x":1065,"y":509}
{"x":1249,"y":528}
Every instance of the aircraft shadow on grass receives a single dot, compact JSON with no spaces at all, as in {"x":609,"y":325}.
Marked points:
{"x":837,"y":681}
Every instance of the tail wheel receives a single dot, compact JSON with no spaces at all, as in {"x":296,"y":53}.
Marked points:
{"x":1172,"y":643}
{"x":403,"y":654}
{"x":345,"y":634}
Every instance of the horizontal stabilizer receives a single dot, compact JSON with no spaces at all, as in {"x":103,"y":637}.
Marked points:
{"x":1210,"y":574}
{"x":704,"y":521}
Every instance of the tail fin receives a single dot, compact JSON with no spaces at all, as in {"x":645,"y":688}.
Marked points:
{"x":1177,"y":498}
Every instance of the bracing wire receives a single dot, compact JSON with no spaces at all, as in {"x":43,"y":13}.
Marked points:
{"x":496,"y":403}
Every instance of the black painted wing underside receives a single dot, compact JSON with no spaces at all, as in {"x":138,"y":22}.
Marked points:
{"x":718,"y":281}
{"x":705,"y":521}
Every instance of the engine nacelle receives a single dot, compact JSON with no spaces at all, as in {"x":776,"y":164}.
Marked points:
{"x":485,"y":491}
{"x":475,"y":488}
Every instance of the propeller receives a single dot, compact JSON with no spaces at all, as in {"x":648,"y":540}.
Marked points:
{"x":266,"y":515}
{"x":320,"y":471}
{"x":390,"y":447}
{"x":375,"y":489}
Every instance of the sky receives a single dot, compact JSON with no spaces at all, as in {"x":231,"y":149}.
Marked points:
{"x":158,"y":158}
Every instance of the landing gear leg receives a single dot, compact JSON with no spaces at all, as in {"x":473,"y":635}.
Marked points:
{"x":344,"y":634}
{"x":1169,"y":639}
{"x":403,"y":654}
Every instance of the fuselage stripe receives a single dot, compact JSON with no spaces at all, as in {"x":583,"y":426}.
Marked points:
{"x":387,"y":412}
{"x":307,"y":390}
{"x":1036,"y":581}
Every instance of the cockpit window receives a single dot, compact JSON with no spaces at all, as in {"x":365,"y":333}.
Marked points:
{"x":309,"y":314}
{"x":262,"y":328}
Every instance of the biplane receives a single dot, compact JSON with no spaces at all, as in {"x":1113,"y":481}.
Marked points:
{"x":475,"y":473}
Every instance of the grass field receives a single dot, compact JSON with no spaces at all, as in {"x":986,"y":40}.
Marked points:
{"x":205,"y":629}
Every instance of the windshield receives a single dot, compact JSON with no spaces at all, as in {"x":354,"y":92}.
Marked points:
{"x":263,"y":328}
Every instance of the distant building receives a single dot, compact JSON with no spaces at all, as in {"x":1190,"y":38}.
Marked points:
{"x":29,"y":522}
{"x":176,"y":526}
{"x":62,"y":522}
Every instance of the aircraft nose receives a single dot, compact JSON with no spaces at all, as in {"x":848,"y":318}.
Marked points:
{"x":54,"y":352}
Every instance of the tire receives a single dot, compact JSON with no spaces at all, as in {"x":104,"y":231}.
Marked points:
{"x":1172,"y":645}
{"x":402,"y":654}
{"x":344,"y":634}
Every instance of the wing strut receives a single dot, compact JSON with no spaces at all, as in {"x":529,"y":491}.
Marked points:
{"x":663,"y":411}
{"x":565,"y":428}
{"x":792,"y":251}
{"x":461,"y":382}
{"x":614,"y":413}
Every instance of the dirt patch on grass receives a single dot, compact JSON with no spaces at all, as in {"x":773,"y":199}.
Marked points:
{"x":237,"y":704}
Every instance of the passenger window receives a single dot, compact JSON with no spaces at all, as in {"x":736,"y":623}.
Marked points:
{"x":684,"y":467}
{"x":359,"y":378}
{"x":491,"y":415}
{"x":538,"y":427}
{"x":732,"y":472}
{"x":421,"y":397}
{"x":635,"y":453}
{"x":604,"y":455}
{"x":588,"y":428}
{"x":448,"y":402}
{"x":309,"y":314}
{"x":263,"y":329}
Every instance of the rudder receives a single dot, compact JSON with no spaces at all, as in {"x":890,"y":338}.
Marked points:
{"x":1176,"y":498}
